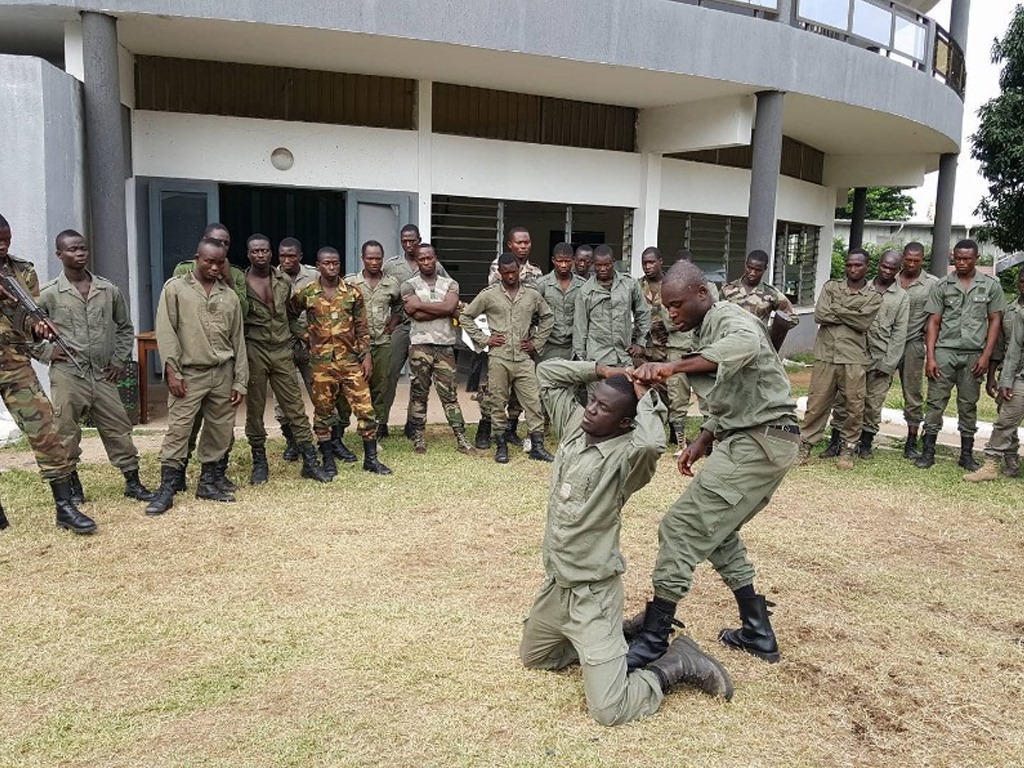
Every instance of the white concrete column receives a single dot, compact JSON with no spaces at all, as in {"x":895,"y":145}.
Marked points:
{"x":647,"y":216}
{"x":74,"y":57}
{"x":425,"y":129}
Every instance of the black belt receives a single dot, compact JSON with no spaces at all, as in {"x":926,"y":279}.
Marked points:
{"x":789,"y":432}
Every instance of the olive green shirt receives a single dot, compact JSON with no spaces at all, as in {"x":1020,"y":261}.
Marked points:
{"x":887,"y":336}
{"x":196,"y":330}
{"x":510,"y":317}
{"x":844,"y":316}
{"x":270,"y":326}
{"x":563,"y":305}
{"x":1013,"y":316}
{"x":1013,"y":363}
{"x":964,"y":313}
{"x":591,"y":483}
{"x":750,"y":388}
{"x":918,"y":291}
{"x":381,"y":302}
{"x":98,"y":327}
{"x":237,"y":281}
{"x":610,"y":320}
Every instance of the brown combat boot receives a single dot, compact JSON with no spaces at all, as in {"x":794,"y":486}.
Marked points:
{"x":847,"y":457}
{"x":462,"y":445}
{"x":419,"y":443}
{"x":987,"y":471}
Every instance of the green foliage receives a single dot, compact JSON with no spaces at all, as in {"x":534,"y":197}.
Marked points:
{"x":883,"y":204}
{"x":998,"y":144}
{"x":874,"y":255}
{"x":1008,"y":279}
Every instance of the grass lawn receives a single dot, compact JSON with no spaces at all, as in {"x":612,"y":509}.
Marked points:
{"x":375,"y":622}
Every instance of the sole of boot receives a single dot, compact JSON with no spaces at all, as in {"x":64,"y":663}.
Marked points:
{"x":140,"y":496}
{"x":78,"y":531}
{"x":772,"y":657}
{"x":542,"y":458}
{"x":209,"y":497}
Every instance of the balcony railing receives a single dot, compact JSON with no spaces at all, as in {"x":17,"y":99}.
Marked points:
{"x":886,"y":27}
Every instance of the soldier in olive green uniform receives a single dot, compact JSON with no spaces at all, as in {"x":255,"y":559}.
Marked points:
{"x":751,"y":414}
{"x":560,"y":287}
{"x":92,"y":316}
{"x":844,"y":312}
{"x":918,"y":285}
{"x":1002,"y":449}
{"x":764,"y":301}
{"x":200,"y":336}
{"x":271,"y":357}
{"x":612,"y":322}
{"x":431,"y":300}
{"x":606,"y":454}
{"x":965,"y":311}
{"x":401,"y":267}
{"x":511,"y":308}
{"x":382,"y":295}
{"x":339,"y":347}
{"x":23,"y":396}
{"x":886,"y":343}
{"x":519,"y":245}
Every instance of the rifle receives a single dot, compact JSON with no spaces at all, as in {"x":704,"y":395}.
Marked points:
{"x":28,"y":305}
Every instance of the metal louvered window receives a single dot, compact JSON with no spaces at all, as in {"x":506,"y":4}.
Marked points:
{"x":796,"y":261}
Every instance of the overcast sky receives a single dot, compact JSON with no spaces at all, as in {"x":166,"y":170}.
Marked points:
{"x":989,"y":19}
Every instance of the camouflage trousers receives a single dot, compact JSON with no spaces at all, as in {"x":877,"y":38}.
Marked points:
{"x":381,"y":357}
{"x":274,"y":366}
{"x":338,"y":383}
{"x":74,"y":398}
{"x":432,"y":362}
{"x":33,"y":414}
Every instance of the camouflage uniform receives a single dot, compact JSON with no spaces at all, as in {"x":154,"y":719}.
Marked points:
{"x":760,"y":301}
{"x":339,"y":338}
{"x":99,"y":328}
{"x":563,"y":305}
{"x":382,"y":302}
{"x":657,"y":349}
{"x":511,"y":370}
{"x":911,"y":365}
{"x":19,"y":386}
{"x":401,"y":269}
{"x":269,"y":345}
{"x":609,"y":321}
{"x":200,"y":336}
{"x":432,"y":355}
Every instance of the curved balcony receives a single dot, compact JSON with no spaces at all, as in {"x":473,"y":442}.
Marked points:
{"x":889,"y":28}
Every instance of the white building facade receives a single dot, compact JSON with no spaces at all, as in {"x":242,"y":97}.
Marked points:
{"x":717,"y":127}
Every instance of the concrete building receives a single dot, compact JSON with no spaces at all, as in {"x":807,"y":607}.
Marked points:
{"x":899,"y":233}
{"x":714,"y":125}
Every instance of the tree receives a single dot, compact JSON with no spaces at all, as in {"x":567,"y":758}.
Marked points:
{"x":883,"y":204}
{"x":998,"y":144}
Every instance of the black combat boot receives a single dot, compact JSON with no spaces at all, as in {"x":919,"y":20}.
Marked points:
{"x":652,"y":639}
{"x":133,"y":487}
{"x":864,"y":447}
{"x":291,"y":450}
{"x":755,"y":636}
{"x":208,"y":488}
{"x":221,"y":477}
{"x":910,"y":447}
{"x":330,"y":469}
{"x":685,"y":662}
{"x":77,"y":491}
{"x":170,"y":478}
{"x":370,"y":462}
{"x":382,"y":430}
{"x":927,"y":457}
{"x":68,"y":515}
{"x":1011,"y":465}
{"x":537,"y":450}
{"x":834,"y":444}
{"x":341,"y":450}
{"x":408,"y":429}
{"x":3,"y":518}
{"x":311,"y":467}
{"x":501,"y":449}
{"x":511,"y":435}
{"x":483,"y":435}
{"x":673,"y":436}
{"x":180,"y":486}
{"x":260,"y":470}
{"x":967,"y":453}
{"x":631,"y":627}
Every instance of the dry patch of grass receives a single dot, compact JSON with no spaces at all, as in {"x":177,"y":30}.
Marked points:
{"x":376,"y":622}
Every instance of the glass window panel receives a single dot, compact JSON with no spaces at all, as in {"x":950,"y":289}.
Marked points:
{"x":910,"y":38}
{"x":871,"y":22}
{"x":832,"y":13}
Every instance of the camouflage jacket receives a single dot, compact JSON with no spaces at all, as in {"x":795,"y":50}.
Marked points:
{"x":439,"y":332}
{"x":761,"y":301}
{"x":529,"y":274}
{"x":659,"y":317}
{"x":336,"y":327}
{"x":16,"y":327}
